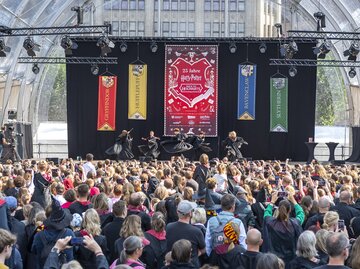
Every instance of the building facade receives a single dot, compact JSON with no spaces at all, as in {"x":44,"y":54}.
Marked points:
{"x":189,"y":18}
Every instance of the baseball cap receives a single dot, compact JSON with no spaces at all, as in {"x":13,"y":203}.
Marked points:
{"x":185,"y":207}
{"x":11,"y":202}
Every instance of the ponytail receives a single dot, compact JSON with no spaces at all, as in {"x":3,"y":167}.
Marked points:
{"x":123,"y":257}
{"x":284,"y":211}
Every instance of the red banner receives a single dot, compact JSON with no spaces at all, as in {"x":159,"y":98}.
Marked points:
{"x":107,"y":103}
{"x":191,"y":77}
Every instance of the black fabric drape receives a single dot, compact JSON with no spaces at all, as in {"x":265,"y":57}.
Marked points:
{"x":82,"y":98}
{"x":355,"y":155}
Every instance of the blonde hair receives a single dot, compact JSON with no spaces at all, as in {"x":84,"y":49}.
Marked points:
{"x":232,"y":134}
{"x":101,"y":202}
{"x":131,"y":226}
{"x":91,"y":222}
{"x":198,"y":216}
{"x":39,"y":218}
{"x":321,"y":237}
{"x":331,"y":218}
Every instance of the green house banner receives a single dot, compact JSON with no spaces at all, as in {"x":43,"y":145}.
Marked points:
{"x":279,"y":104}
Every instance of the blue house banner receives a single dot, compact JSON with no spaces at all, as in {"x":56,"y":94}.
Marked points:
{"x":246,"y":92}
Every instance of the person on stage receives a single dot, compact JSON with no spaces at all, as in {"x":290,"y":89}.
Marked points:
{"x":232,"y":145}
{"x":176,"y":144}
{"x":199,"y":145}
{"x":152,"y":147}
{"x":122,"y":147}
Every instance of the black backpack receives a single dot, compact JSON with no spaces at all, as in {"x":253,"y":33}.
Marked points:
{"x":47,"y":246}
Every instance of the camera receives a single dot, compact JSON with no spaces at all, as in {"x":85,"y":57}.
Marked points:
{"x":76,"y":241}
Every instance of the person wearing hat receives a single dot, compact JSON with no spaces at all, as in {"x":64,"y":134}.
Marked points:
{"x":55,"y":228}
{"x":182,"y":229}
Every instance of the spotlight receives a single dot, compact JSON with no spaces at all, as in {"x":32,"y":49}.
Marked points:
{"x":289,"y":50}
{"x":262,"y":47}
{"x":105,"y":45}
{"x":353,"y":51}
{"x":352,"y":72}
{"x":68,"y":45}
{"x":31,"y":46}
{"x":323,"y":49}
{"x":3,"y":48}
{"x":80,"y":14}
{"x":94,"y":69}
{"x":292,"y":71}
{"x":35,"y":69}
{"x":320,"y":18}
{"x":153,"y":47}
{"x":123,"y":47}
{"x":232,"y":47}
{"x":279,"y":29}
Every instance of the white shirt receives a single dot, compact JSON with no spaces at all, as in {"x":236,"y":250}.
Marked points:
{"x":87,"y":167}
{"x":221,"y":180}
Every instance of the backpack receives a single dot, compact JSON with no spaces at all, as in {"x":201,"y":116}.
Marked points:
{"x":218,"y":236}
{"x":47,"y":246}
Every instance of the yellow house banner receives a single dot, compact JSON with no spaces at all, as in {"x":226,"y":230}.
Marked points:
{"x":137,"y":91}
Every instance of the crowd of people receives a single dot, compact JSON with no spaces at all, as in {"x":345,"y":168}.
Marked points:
{"x":179,"y":214}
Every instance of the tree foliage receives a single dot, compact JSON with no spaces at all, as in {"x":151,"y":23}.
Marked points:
{"x":57,"y":107}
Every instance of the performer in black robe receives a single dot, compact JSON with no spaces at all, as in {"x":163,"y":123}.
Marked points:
{"x":199,"y":145}
{"x":152,"y":147}
{"x":176,"y":144}
{"x":232,"y":145}
{"x":122,"y":147}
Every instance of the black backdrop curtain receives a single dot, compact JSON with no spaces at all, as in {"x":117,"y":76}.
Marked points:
{"x":82,"y":94}
{"x":355,"y":155}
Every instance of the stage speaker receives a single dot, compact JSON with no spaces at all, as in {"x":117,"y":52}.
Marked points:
{"x":12,"y":114}
{"x":54,"y":159}
{"x":338,"y":162}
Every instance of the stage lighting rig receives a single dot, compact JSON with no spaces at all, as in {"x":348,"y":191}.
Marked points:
{"x":68,"y":45}
{"x":31,"y":46}
{"x":279,"y":29}
{"x":153,"y":47}
{"x":292,"y":71}
{"x":323,"y":49}
{"x":123,"y":47}
{"x":105,"y":45}
{"x":3,"y":48}
{"x":232,"y":47}
{"x":79,"y":14}
{"x":35,"y":69}
{"x":353,"y":51}
{"x":352,"y":72}
{"x":94,"y":69}
{"x":262,"y":47}
{"x":320,"y":19}
{"x":289,"y":50}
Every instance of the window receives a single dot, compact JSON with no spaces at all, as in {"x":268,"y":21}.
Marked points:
{"x":124,"y":28}
{"x":207,"y":5}
{"x":174,"y":29}
{"x":155,"y":28}
{"x":222,"y":3}
{"x":232,"y":29}
{"x":141,"y":5}
{"x":166,"y":4}
{"x":182,"y":5}
{"x":124,"y":4}
{"x":132,"y":5}
{"x":107,"y":4}
{"x":232,"y":5}
{"x":115,"y":28}
{"x":191,"y":29}
{"x":166,"y":29}
{"x":216,"y":5}
{"x":182,"y":29}
{"x":174,"y":5}
{"x":241,"y":29}
{"x":132,"y":28}
{"x":216,"y":29}
{"x":241,"y":5}
{"x":141,"y":28}
{"x":207,"y":29}
{"x":156,"y":4}
{"x":191,"y":5}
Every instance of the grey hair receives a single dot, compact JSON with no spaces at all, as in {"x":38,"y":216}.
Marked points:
{"x":198,"y":216}
{"x":336,"y":243}
{"x":306,"y":245}
{"x":131,"y":244}
{"x":71,"y":265}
